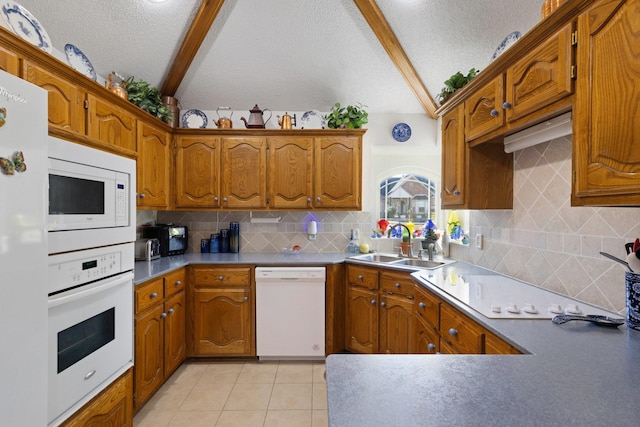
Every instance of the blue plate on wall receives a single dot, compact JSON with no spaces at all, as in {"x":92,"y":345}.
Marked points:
{"x":24,"y":24}
{"x":506,"y":43}
{"x":79,"y":61}
{"x":401,"y":132}
{"x":194,"y":119}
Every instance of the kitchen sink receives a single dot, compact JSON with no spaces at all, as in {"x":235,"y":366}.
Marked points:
{"x":376,"y":258}
{"x":423,"y":263}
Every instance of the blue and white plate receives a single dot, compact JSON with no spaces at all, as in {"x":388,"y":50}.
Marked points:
{"x":506,"y":43}
{"x":313,"y":119}
{"x":194,"y":119}
{"x":24,"y":24}
{"x":79,"y":61}
{"x":401,"y":132}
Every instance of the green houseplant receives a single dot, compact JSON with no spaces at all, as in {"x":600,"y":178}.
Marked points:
{"x":349,"y":117}
{"x":147,"y":97}
{"x":454,"y":83}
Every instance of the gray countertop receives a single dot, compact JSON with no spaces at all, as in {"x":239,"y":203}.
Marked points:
{"x":145,"y":270}
{"x":576,"y":373}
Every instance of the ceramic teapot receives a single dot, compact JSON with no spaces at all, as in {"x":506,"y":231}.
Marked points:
{"x":223,"y":122}
{"x":286,"y":122}
{"x":255,"y":118}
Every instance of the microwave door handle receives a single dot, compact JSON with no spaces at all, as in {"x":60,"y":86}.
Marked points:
{"x":56,"y":300}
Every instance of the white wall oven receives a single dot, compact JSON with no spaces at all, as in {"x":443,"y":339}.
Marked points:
{"x":90,"y":334}
{"x":91,"y":197}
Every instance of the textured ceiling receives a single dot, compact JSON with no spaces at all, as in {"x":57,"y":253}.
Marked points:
{"x":287,"y":54}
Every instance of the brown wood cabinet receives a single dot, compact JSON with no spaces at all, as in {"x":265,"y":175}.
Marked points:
{"x":483,"y":109}
{"x":338,"y":174}
{"x":160,"y":322}
{"x":197,"y":172}
{"x":244,"y":171}
{"x":221,"y":308}
{"x":459,"y":331}
{"x":153,"y":167}
{"x":113,"y":407}
{"x":362,"y":315}
{"x":454,"y":155}
{"x":290,"y":172}
{"x":112,"y":124}
{"x":606,"y":149}
{"x":8,"y":61}
{"x":66,"y":99}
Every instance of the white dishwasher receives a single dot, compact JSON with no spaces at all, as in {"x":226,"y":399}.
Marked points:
{"x":290,"y":310}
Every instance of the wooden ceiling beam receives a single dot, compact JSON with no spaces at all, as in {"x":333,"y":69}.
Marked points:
{"x":193,"y":40}
{"x":380,"y":27}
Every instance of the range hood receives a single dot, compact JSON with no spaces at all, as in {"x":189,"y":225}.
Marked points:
{"x":542,"y":132}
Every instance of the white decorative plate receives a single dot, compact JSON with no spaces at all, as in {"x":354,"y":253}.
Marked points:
{"x":506,"y":43}
{"x":401,"y":132}
{"x":313,"y":119}
{"x":194,"y":119}
{"x":24,"y":24}
{"x":79,"y":61}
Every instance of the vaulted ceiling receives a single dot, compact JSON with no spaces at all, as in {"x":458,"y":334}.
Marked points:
{"x":288,"y":55}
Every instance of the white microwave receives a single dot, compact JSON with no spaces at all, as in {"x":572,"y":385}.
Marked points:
{"x":91,"y":197}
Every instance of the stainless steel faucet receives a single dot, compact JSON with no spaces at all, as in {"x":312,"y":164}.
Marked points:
{"x":410,"y":250}
{"x":430,"y":248}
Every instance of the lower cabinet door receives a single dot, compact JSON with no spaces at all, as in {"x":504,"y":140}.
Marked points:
{"x":427,"y":340}
{"x":148,"y":365}
{"x":396,"y":324}
{"x":362,"y":320}
{"x":174,"y":332}
{"x":222,"y":322}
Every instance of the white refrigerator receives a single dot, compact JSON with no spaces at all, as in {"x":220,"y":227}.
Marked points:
{"x":23,"y":253}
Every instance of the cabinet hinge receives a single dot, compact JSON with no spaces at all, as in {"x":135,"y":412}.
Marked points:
{"x":574,"y":38}
{"x":573,"y":72}
{"x":86,"y":104}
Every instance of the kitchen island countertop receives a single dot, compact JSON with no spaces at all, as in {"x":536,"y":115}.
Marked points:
{"x":576,"y":373}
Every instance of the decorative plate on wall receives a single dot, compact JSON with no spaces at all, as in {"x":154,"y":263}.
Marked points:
{"x":313,"y":119}
{"x":24,"y":24}
{"x":401,"y":132}
{"x":506,"y":43}
{"x":194,"y":119}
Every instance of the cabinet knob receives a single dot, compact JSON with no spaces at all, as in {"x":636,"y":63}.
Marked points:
{"x":373,"y":302}
{"x":397,"y":285}
{"x":142,"y":195}
{"x":383,"y":304}
{"x":308,"y":199}
{"x":178,"y":282}
{"x":224,"y":199}
{"x":246,"y":298}
{"x":317,"y":199}
{"x":163,"y":315}
{"x":431,"y":346}
{"x":456,"y":193}
{"x":506,"y":105}
{"x":360,"y":277}
{"x":153,"y":295}
{"x":422,"y":305}
{"x":494,"y":113}
{"x":215,"y":198}
{"x":221,"y":278}
{"x":170,"y":311}
{"x":453,"y":332}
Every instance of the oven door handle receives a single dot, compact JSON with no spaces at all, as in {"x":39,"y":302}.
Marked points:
{"x":57,"y":300}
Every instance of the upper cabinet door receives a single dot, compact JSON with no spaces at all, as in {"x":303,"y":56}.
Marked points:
{"x":8,"y":61}
{"x":152,"y":167}
{"x":244,"y":168}
{"x":290,"y":163}
{"x":606,"y":138}
{"x":197,"y":173}
{"x":111,"y":124}
{"x":541,"y":77}
{"x":338,"y":174}
{"x":453,"y":158}
{"x":484,"y":109}
{"x":66,"y":100}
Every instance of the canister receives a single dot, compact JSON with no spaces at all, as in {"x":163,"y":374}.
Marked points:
{"x":214,"y":246}
{"x":204,"y":246}
{"x":224,"y":240}
{"x":234,"y":237}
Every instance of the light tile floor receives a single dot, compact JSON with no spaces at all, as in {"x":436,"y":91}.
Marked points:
{"x":239,"y":394}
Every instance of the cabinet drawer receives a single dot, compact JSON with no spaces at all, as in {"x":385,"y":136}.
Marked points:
{"x":362,"y":276}
{"x":460,"y":331}
{"x":148,"y":294}
{"x":221,"y":276}
{"x":397,"y":283}
{"x":174,"y":282}
{"x":427,"y":339}
{"x":427,"y":307}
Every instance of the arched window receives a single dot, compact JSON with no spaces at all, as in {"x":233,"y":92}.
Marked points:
{"x":408,"y":196}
